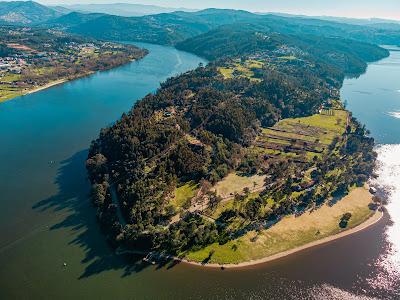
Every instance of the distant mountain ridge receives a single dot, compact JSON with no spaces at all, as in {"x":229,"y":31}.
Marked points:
{"x":124,"y":9}
{"x":175,"y":27}
{"x":25,"y":12}
{"x":172,"y":28}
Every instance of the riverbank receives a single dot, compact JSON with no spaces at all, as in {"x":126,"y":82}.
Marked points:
{"x":46,"y":86}
{"x":291,"y":235}
{"x":50,"y":84}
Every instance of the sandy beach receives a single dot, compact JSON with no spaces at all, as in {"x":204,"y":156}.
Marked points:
{"x":376,"y":217}
{"x":46,"y":86}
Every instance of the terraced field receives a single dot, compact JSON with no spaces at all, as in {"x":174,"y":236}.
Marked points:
{"x":303,"y":138}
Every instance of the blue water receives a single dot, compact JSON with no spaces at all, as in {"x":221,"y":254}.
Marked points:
{"x":55,"y":124}
{"x":374,"y":98}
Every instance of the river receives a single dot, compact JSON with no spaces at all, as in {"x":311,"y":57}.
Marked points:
{"x":46,"y":218}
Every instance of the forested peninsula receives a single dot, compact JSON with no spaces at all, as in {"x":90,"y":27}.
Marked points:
{"x":209,"y":166}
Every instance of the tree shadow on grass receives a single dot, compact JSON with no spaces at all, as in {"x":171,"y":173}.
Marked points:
{"x":79,"y":216}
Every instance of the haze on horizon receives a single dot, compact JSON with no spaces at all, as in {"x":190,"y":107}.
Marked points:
{"x":386,"y":9}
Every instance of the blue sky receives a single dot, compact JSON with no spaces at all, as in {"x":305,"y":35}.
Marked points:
{"x":348,"y":8}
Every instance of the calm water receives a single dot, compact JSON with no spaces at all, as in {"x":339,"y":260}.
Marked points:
{"x":46,"y":218}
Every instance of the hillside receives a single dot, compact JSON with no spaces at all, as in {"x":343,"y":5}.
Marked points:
{"x":26,"y":12}
{"x":348,"y":56}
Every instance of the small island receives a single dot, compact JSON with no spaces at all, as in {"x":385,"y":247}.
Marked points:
{"x":243,"y":160}
{"x":33,"y":59}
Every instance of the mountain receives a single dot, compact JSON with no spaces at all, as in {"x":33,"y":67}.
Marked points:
{"x":385,"y":24}
{"x":26,"y":12}
{"x":161,"y":29}
{"x":123,"y":9}
{"x":172,"y":28}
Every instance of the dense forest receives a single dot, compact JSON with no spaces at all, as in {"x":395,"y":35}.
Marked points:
{"x":208,"y":123}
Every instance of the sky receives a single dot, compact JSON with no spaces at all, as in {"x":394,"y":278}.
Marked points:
{"x":389,"y":9}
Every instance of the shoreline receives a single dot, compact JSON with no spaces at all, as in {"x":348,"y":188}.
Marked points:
{"x":373,"y":219}
{"x":44,"y":87}
{"x":65,"y":80}
{"x":47,"y":86}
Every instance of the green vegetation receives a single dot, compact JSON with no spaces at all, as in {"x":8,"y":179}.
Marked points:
{"x":290,"y":233}
{"x":303,"y":138}
{"x":172,"y":28}
{"x":234,"y":183}
{"x":184,"y":193}
{"x":242,"y":69}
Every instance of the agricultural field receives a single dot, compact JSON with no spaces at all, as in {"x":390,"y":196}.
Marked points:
{"x":8,"y":88}
{"x":303,"y":138}
{"x":240,"y":69}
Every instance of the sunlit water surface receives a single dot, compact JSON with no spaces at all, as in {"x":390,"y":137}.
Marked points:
{"x":374,"y":98}
{"x":387,"y":276}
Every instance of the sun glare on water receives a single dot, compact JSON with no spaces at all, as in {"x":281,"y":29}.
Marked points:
{"x":395,"y":114}
{"x":389,"y":180}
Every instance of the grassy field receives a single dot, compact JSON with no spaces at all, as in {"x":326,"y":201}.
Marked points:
{"x":311,"y":133}
{"x":184,"y":193}
{"x":291,"y":232}
{"x":241,"y":69}
{"x":8,"y":91}
{"x":233,"y":183}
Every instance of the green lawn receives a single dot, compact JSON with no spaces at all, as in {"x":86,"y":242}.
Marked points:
{"x":184,"y":193}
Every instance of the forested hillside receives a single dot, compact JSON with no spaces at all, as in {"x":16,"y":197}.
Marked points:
{"x":172,"y":28}
{"x":263,"y":121}
{"x":348,"y":56}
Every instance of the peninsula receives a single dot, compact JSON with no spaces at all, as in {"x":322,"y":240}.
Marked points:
{"x":248,"y":157}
